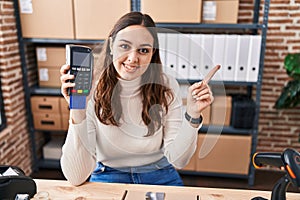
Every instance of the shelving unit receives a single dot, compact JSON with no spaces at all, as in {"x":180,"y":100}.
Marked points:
{"x":252,"y":28}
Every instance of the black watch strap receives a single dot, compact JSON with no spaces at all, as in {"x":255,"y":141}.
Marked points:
{"x":193,"y":120}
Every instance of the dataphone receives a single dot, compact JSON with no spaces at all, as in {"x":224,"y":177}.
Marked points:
{"x":289,"y":160}
{"x":80,"y":59}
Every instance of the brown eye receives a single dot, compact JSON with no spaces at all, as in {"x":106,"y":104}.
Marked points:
{"x":144,"y":50}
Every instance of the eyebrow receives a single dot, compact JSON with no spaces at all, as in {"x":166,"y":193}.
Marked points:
{"x":143,"y":45}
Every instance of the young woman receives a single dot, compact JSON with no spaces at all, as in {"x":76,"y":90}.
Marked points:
{"x":134,"y":129}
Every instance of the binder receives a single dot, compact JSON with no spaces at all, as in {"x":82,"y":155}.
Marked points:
{"x":196,"y":47}
{"x":218,"y":55}
{"x":162,"y":42}
{"x":243,"y":58}
{"x":255,"y":48}
{"x":230,"y":57}
{"x":206,"y":54}
{"x":171,"y":57}
{"x":183,"y":56}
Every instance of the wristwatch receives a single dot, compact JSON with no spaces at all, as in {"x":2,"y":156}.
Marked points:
{"x":193,"y":120}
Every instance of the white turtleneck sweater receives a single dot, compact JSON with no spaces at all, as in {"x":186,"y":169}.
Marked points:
{"x":126,"y":146}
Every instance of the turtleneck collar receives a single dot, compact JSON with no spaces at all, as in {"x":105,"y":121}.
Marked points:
{"x":130,"y":87}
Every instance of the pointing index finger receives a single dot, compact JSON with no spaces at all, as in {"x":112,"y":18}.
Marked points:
{"x":209,"y":76}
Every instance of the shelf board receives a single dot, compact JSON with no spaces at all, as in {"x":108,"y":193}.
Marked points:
{"x":35,"y":90}
{"x":212,"y":82}
{"x":60,"y":41}
{"x":225,"y":130}
{"x":209,"y":26}
{"x":49,"y":164}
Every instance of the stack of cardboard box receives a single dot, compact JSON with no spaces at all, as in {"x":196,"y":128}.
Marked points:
{"x":49,"y":113}
{"x":70,"y":19}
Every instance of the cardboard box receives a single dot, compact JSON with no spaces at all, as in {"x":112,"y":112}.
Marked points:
{"x":47,"y":19}
{"x":47,"y":121}
{"x":175,"y":11}
{"x":223,"y":153}
{"x":191,"y":166}
{"x":45,"y":104}
{"x":206,"y":115}
{"x":94,"y":19}
{"x":65,"y":122}
{"x":53,"y":149}
{"x":50,"y":60}
{"x":51,"y":56}
{"x":64,"y":106}
{"x":65,"y":113}
{"x":220,"y":11}
{"x":221,"y":110}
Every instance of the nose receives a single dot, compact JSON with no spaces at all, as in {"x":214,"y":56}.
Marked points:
{"x":133,"y":57}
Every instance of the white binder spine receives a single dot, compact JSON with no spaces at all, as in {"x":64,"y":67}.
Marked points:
{"x":196,"y":47}
{"x":183,"y":50}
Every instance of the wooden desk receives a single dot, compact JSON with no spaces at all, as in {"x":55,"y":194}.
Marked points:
{"x":58,"y":189}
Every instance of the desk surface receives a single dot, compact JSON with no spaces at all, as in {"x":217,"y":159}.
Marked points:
{"x":58,"y":189}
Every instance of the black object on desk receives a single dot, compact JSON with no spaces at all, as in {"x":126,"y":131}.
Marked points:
{"x":289,"y":160}
{"x":14,"y":183}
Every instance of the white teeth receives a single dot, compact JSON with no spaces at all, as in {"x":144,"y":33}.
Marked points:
{"x":130,"y":68}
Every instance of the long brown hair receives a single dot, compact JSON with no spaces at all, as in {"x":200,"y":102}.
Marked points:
{"x":153,"y":83}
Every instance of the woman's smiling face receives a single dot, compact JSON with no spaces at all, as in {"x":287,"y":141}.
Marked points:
{"x":132,"y":51}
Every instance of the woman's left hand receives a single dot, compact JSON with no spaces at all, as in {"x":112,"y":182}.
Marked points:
{"x":199,"y":97}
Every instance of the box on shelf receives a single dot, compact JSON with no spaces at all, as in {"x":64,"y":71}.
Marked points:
{"x":65,"y":122}
{"x":49,"y":61}
{"x":45,"y":104}
{"x":94,"y":19}
{"x":223,"y":153}
{"x":47,"y":19}
{"x":65,"y":113}
{"x":191,"y":166}
{"x":64,"y":106}
{"x":206,"y":115}
{"x":178,"y":11}
{"x":53,"y":149}
{"x":220,"y":11}
{"x":221,"y":110}
{"x":47,"y":121}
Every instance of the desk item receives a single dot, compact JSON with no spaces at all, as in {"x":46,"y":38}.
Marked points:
{"x":42,"y":195}
{"x":61,"y":189}
{"x":155,"y":196}
{"x":14,"y":184}
{"x":289,"y":160}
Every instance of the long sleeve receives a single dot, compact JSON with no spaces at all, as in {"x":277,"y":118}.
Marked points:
{"x":78,"y":153}
{"x":180,"y":138}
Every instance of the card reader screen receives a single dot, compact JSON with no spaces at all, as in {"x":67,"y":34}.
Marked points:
{"x":81,"y":59}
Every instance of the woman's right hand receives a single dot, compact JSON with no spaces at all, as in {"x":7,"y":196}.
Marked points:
{"x":65,"y":81}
